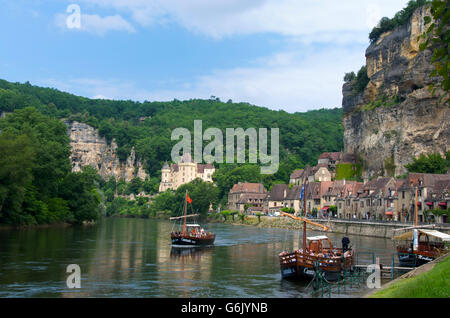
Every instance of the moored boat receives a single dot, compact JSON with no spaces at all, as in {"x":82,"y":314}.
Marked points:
{"x":316,"y":254}
{"x":192,"y":234}
{"x":420,"y":245}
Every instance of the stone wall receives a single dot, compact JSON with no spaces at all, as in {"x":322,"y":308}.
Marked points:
{"x":88,"y":148}
{"x":395,"y":118}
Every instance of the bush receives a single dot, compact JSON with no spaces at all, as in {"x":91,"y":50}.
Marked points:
{"x":401,"y":18}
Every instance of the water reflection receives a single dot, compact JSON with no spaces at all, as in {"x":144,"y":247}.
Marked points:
{"x":134,"y":258}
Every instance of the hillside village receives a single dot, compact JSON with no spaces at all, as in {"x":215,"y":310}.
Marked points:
{"x":328,"y":194}
{"x":383,"y":198}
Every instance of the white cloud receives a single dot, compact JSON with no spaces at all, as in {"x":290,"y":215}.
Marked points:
{"x":323,"y":40}
{"x":96,"y":24}
{"x":282,"y":81}
{"x":292,"y":80}
{"x":221,"y":18}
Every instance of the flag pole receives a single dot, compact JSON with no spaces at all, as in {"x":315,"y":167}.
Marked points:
{"x":185,"y":211}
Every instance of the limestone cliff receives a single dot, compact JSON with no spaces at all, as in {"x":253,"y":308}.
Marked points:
{"x":395,"y":118}
{"x":88,"y":148}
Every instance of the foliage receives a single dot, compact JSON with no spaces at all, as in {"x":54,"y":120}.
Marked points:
{"x":439,"y":212}
{"x":288,"y":210}
{"x":225,"y":214}
{"x":437,"y":39}
{"x":349,"y":77}
{"x":358,"y":81}
{"x":37,"y":186}
{"x":333,"y":210}
{"x":401,"y":18}
{"x":383,"y":101}
{"x":303,"y":136}
{"x":431,"y":163}
{"x":389,"y":166}
{"x":203,"y":195}
{"x":348,"y":171}
{"x":129,"y":208}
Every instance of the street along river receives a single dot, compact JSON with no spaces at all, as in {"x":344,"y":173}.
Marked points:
{"x":134,"y":258}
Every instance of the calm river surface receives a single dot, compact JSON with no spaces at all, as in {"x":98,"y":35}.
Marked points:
{"x":133,"y":258}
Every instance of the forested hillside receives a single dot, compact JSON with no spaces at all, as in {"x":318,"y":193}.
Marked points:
{"x":303,"y":136}
{"x":36,"y":182}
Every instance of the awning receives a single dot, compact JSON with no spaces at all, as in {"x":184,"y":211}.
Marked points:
{"x":389,"y":213}
{"x":325,"y":208}
{"x":444,"y":204}
{"x":409,"y":235}
{"x":317,"y":238}
{"x":429,"y":203}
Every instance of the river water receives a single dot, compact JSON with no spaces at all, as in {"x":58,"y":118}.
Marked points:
{"x":133,"y":258}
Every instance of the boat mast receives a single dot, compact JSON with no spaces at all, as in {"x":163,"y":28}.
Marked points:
{"x":185,"y":213}
{"x":415,"y":217}
{"x":304,"y":214}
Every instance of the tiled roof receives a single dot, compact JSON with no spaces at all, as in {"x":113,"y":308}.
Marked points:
{"x":248,"y":187}
{"x":297,"y":174}
{"x":294,"y":193}
{"x":278,"y":191}
{"x":334,"y":156}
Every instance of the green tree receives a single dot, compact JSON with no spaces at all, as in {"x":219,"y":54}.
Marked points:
{"x":431,"y":163}
{"x":17,"y":156}
{"x":79,"y":190}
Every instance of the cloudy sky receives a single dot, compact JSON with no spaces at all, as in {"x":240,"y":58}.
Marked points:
{"x":281,"y":54}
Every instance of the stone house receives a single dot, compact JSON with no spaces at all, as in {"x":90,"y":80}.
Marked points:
{"x":432,"y":191}
{"x":283,"y":196}
{"x":243,"y":193}
{"x":297,"y":177}
{"x":175,"y":175}
{"x":376,"y":199}
{"x":346,"y":203}
{"x":275,"y":199}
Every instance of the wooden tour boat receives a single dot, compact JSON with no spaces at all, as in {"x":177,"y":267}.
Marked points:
{"x":420,"y":245}
{"x":192,"y":234}
{"x":316,"y":254}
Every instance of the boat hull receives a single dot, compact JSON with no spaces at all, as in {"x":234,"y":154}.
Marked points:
{"x":413,"y":260}
{"x":180,"y":241}
{"x":298,"y":265}
{"x":300,"y":272}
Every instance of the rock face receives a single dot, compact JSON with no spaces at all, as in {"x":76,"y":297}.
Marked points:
{"x":395,"y":118}
{"x":88,"y":148}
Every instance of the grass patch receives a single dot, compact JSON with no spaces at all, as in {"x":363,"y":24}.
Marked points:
{"x":348,"y":171}
{"x":432,"y":284}
{"x":382,"y":102}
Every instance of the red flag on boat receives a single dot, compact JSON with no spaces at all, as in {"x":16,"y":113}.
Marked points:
{"x":188,"y":199}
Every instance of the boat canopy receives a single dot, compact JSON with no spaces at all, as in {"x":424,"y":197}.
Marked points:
{"x":317,"y":238}
{"x":410,"y":234}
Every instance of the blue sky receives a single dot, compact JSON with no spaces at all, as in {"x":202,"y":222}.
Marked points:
{"x":281,"y":54}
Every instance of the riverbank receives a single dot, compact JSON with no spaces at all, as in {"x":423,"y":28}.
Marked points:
{"x":42,"y":226}
{"x":431,"y":280}
{"x":363,"y":228}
